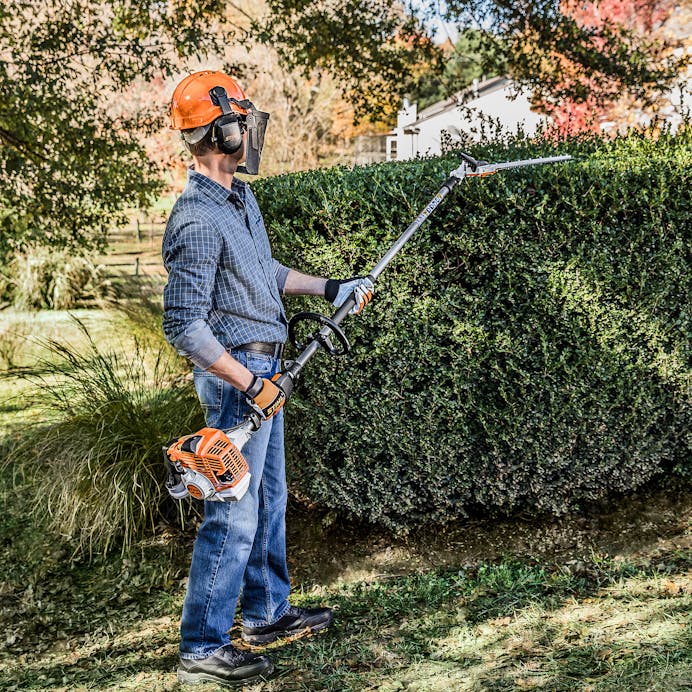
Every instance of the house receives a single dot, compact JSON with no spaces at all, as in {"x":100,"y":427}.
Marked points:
{"x":491,"y":106}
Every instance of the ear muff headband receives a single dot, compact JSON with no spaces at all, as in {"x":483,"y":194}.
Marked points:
{"x":227,"y":130}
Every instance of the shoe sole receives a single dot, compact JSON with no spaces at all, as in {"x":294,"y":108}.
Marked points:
{"x":261,"y":639}
{"x":188,"y":678}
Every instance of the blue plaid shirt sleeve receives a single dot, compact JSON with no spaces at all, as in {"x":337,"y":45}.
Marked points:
{"x":191,"y":256}
{"x":281,"y":274}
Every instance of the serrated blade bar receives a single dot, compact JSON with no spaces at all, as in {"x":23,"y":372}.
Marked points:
{"x":525,"y":162}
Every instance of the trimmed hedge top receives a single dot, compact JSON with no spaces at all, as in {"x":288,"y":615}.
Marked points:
{"x":529,"y":348}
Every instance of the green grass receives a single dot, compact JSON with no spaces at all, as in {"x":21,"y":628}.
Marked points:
{"x":112,"y":624}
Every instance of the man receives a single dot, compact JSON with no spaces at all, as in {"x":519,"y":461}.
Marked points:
{"x":223,"y":310}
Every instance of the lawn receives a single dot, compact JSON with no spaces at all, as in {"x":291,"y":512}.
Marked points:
{"x":594,"y":601}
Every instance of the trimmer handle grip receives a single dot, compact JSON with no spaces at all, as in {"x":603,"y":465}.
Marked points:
{"x":285,"y":381}
{"x":331,"y":323}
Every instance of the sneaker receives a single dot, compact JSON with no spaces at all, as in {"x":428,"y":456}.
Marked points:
{"x":228,"y":666}
{"x":295,"y":623}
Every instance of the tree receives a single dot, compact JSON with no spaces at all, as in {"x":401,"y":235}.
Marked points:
{"x":371,"y":46}
{"x":72,"y":159}
{"x":545,"y":46}
{"x":463,"y":63}
{"x":664,"y":24}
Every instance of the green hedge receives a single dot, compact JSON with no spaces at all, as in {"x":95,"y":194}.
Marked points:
{"x":528,"y":349}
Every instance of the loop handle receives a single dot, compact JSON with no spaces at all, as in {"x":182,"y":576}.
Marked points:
{"x":321,"y":339}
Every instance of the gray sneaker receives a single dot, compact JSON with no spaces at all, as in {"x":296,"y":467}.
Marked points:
{"x":228,"y":666}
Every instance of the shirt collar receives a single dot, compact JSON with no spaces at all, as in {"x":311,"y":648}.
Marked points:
{"x":216,"y":191}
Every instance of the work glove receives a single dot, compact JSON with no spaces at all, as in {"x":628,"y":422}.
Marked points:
{"x":338,"y":290}
{"x":265,"y":397}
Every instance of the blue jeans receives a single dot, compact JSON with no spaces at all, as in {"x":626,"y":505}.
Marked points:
{"x":240,"y":546}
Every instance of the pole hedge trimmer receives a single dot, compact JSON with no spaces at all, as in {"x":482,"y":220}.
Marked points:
{"x":209,"y":464}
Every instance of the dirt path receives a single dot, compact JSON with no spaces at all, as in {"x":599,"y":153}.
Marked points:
{"x":323,"y":552}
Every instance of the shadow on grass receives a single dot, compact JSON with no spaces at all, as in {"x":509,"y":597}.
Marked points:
{"x":108,"y":668}
{"x":507,"y":626}
{"x":503,"y":624}
{"x":496,"y":627}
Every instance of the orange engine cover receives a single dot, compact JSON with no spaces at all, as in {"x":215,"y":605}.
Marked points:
{"x":210,"y":453}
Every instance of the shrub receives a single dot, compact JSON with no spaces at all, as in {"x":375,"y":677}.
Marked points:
{"x":14,"y":333}
{"x":96,"y":474}
{"x":528,"y":349}
{"x":44,"y":278}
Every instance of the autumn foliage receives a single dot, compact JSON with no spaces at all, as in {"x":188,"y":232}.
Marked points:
{"x":662,"y":26}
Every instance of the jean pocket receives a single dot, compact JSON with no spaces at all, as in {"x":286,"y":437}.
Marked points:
{"x":259,"y":364}
{"x":210,"y":392}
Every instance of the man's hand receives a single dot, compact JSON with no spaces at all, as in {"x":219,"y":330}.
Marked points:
{"x":265,"y":397}
{"x":338,"y":290}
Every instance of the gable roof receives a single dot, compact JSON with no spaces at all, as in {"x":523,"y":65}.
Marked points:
{"x":486,"y":87}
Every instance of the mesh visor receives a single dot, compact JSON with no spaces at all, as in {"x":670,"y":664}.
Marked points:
{"x":256,"y":123}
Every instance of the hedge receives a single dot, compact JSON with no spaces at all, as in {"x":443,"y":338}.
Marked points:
{"x":529,"y":349}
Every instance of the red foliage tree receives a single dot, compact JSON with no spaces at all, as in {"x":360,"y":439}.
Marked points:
{"x":610,"y":105}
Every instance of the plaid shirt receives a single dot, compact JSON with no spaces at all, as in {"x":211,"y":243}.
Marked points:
{"x":223,"y":285}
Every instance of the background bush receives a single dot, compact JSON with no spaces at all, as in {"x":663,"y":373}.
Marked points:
{"x":529,"y":348}
{"x":58,"y":280}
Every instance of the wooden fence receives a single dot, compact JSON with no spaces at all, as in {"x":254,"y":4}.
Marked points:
{"x":135,"y":250}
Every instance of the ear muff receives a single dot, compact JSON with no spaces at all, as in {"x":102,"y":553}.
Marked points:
{"x":227,"y":133}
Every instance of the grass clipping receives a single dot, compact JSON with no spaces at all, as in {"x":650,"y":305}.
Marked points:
{"x":96,"y":474}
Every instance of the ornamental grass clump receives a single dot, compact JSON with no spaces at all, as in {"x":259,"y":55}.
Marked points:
{"x":96,"y":473}
{"x":43,"y":278}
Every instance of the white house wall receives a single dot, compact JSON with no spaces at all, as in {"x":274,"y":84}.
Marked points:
{"x":424,"y":135}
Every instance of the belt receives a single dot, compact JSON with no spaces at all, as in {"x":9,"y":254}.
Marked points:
{"x":271,"y":349}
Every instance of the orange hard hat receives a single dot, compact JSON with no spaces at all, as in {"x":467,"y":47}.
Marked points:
{"x":192,"y":106}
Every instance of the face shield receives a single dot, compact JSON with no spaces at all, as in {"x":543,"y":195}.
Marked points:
{"x":256,"y":123}
{"x":228,"y":129}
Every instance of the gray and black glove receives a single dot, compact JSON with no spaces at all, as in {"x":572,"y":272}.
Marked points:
{"x":337,"y":291}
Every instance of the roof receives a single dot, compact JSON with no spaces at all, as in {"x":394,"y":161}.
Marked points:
{"x":486,"y":87}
